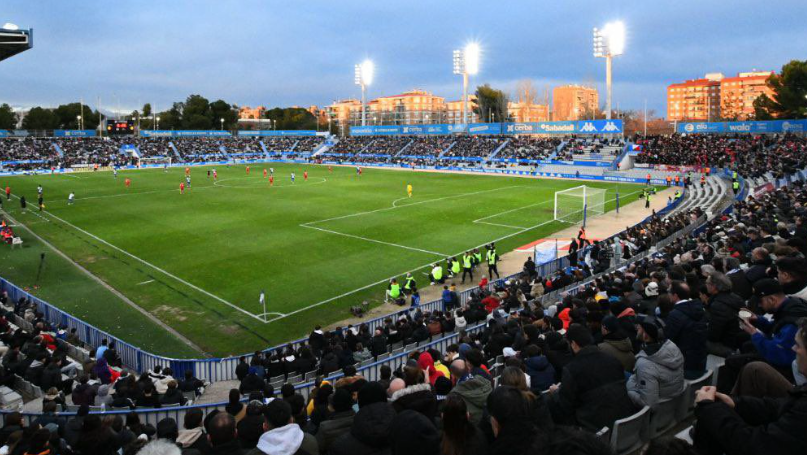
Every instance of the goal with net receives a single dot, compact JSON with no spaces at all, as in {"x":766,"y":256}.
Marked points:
{"x":575,"y":205}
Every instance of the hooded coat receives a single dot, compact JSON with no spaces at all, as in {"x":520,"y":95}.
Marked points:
{"x":474,"y":392}
{"x":417,"y":398}
{"x":286,"y":440}
{"x":541,"y":373}
{"x":621,"y":348}
{"x":369,"y":434}
{"x":686,"y":327}
{"x":659,"y":374}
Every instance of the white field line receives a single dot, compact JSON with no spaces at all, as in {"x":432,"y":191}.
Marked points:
{"x":500,"y":225}
{"x":396,"y":201}
{"x":279,"y":185}
{"x":34,"y":212}
{"x":142,"y":261}
{"x":135,"y":193}
{"x":145,"y":282}
{"x":513,"y":234}
{"x":70,"y":175}
{"x":384,"y":209}
{"x":375,"y":241}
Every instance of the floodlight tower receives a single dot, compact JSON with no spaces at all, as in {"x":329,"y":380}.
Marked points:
{"x":609,"y":42}
{"x":364,"y":77}
{"x":466,"y":62}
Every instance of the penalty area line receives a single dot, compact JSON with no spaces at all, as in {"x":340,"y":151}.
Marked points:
{"x":385,"y":280}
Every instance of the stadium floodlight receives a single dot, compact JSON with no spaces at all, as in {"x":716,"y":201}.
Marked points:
{"x":78,"y":122}
{"x":222,"y":123}
{"x":364,"y":77}
{"x":466,"y":62}
{"x":609,"y":42}
{"x":11,"y":27}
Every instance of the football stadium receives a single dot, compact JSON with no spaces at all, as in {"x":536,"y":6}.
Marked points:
{"x":473,"y":267}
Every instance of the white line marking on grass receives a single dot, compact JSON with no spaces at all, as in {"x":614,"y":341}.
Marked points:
{"x":375,"y":241}
{"x":266,"y":185}
{"x":145,"y":282}
{"x":513,"y":234}
{"x":135,"y":193}
{"x":396,"y":201}
{"x":499,"y":224}
{"x":168,"y":274}
{"x":70,"y":175}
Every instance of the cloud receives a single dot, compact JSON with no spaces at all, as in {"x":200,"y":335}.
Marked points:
{"x":255,"y":52}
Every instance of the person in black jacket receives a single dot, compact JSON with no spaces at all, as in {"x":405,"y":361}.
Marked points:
{"x":723,"y":310}
{"x":686,"y":327}
{"x":173,"y":396}
{"x":252,"y":383}
{"x":316,"y":340}
{"x":242,"y":368}
{"x":369,"y":433}
{"x":739,"y":283}
{"x":378,"y":344}
{"x":750,"y":425}
{"x":760,"y":262}
{"x":592,"y":393}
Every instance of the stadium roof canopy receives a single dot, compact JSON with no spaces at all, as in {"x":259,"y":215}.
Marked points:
{"x":12,"y":41}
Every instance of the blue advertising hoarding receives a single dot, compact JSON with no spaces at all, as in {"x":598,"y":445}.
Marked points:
{"x":3,"y":133}
{"x":750,"y":127}
{"x":74,"y":133}
{"x":247,"y":133}
{"x":572,"y":127}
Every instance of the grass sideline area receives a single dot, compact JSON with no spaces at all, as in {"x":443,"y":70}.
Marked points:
{"x":199,"y":261}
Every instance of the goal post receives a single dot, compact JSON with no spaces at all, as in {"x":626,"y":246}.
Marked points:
{"x":575,"y":205}
{"x":154,"y":160}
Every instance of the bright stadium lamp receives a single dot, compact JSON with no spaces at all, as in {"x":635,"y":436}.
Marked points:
{"x":609,"y":42}
{"x":9,"y":26}
{"x":363,"y":77}
{"x":466,"y":62}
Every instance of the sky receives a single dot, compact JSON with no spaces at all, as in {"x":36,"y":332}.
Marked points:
{"x":284,"y":53}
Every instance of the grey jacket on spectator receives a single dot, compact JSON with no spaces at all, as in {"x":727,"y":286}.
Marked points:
{"x":659,"y":374}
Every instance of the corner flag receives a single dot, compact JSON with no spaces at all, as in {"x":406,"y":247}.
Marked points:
{"x":262,"y":301}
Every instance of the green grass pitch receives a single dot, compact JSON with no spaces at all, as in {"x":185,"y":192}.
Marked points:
{"x":198,"y":261}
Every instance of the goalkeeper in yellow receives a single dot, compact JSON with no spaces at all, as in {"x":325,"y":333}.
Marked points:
{"x":409,"y":190}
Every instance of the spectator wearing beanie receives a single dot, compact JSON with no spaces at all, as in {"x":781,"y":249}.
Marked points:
{"x":592,"y":391}
{"x":339,"y":422}
{"x":250,"y":428}
{"x":659,"y":367}
{"x":414,"y":433}
{"x":616,"y":343}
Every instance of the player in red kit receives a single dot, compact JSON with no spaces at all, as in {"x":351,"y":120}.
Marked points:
{"x":128,"y":182}
{"x":215,"y":175}
{"x":330,"y":169}
{"x":271,"y":180}
{"x":305,"y":175}
{"x":187,"y":171}
{"x":8,"y":192}
{"x":182,"y":188}
{"x":264,"y":172}
{"x":247,"y":170}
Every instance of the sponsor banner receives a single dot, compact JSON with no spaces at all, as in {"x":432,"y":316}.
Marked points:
{"x":247,"y":133}
{"x":572,"y":127}
{"x":3,"y":133}
{"x":184,"y":133}
{"x":751,"y":127}
{"x":74,"y":133}
{"x":485,"y":128}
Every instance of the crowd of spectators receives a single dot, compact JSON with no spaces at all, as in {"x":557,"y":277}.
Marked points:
{"x":529,"y":148}
{"x":750,"y":155}
{"x":429,"y":146}
{"x":387,"y":145}
{"x":474,"y":146}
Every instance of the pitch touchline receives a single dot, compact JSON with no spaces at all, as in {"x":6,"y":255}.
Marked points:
{"x":376,"y":241}
{"x":168,"y":274}
{"x":300,"y":310}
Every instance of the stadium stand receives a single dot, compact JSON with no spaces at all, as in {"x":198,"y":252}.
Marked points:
{"x":523,"y":364}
